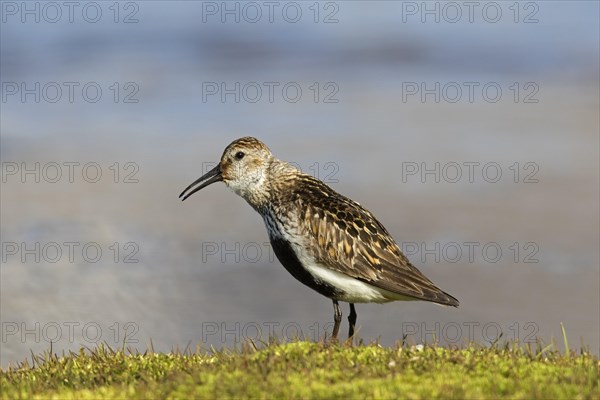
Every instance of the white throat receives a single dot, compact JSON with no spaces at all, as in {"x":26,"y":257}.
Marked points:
{"x":253,"y":188}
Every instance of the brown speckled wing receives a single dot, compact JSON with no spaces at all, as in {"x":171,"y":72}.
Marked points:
{"x":348,"y":239}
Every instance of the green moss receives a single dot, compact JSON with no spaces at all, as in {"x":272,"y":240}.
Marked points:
{"x":310,"y":370}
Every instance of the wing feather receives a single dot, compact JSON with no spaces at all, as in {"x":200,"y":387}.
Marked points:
{"x":347,"y":238}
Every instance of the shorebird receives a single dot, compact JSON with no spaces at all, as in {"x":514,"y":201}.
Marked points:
{"x":325,"y":240}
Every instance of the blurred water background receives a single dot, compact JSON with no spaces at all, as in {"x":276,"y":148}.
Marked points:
{"x":202,"y":271}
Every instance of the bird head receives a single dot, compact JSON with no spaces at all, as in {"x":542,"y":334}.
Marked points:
{"x":243,"y":167}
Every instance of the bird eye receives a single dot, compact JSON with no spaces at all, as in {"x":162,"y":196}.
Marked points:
{"x":239,"y":155}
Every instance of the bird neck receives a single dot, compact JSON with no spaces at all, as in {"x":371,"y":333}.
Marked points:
{"x":278,"y":179}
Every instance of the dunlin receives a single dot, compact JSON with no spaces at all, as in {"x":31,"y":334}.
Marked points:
{"x":325,"y":240}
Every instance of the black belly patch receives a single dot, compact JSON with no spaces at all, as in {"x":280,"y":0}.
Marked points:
{"x":285,"y":254}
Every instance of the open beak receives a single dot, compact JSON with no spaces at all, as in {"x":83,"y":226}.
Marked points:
{"x":212,"y":176}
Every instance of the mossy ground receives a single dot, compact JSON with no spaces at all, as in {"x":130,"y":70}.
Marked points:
{"x":310,"y":370}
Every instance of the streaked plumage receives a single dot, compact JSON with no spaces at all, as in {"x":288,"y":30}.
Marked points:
{"x":325,"y":240}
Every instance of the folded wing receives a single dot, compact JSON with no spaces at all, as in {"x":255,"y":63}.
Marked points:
{"x":347,"y":238}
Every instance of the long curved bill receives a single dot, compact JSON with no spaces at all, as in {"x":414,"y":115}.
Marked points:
{"x":212,"y":176}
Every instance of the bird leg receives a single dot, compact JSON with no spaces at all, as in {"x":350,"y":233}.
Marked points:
{"x":352,"y":321}
{"x":337,"y":319}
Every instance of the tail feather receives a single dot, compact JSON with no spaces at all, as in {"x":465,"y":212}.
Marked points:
{"x":447,"y":300}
